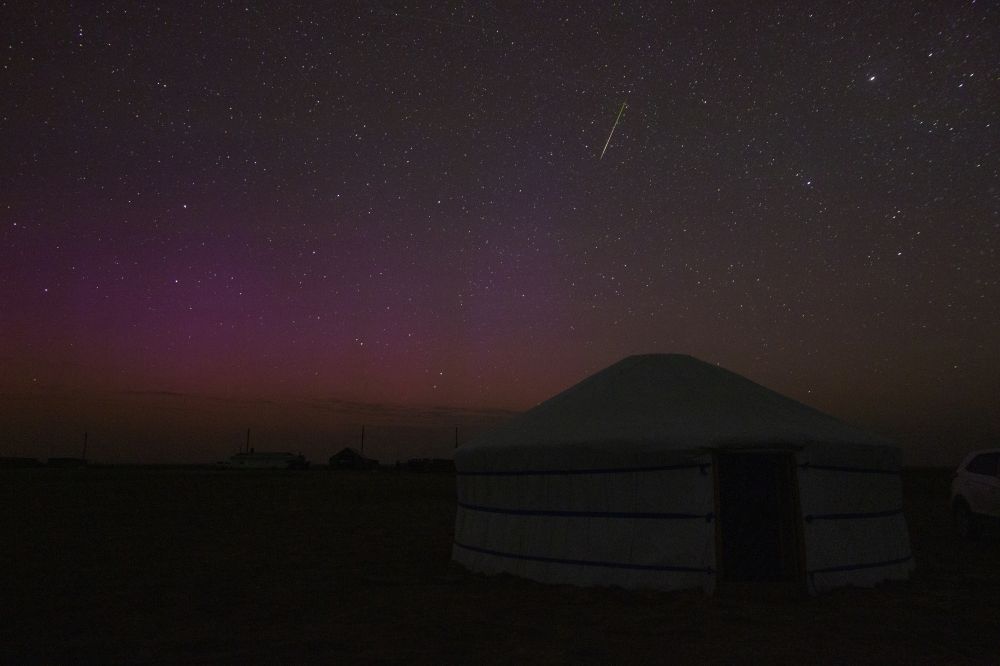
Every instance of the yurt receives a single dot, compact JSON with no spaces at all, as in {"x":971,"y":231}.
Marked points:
{"x":666,"y":472}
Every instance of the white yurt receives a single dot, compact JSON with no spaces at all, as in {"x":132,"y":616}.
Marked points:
{"x":666,"y":472}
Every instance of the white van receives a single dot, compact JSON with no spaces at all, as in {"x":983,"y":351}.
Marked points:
{"x":975,"y":492}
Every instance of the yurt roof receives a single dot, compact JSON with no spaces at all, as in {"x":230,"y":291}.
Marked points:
{"x":669,"y":401}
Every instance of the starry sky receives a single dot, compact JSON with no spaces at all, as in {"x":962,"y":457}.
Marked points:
{"x":406,"y":203}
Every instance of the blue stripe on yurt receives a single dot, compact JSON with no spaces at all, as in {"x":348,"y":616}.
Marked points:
{"x":586,"y":514}
{"x":852,"y":516}
{"x":563,"y":472}
{"x":866,"y":565}
{"x":585,"y":563}
{"x":857,"y":470}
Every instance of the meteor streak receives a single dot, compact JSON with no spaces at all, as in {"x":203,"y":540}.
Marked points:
{"x":617,"y":118}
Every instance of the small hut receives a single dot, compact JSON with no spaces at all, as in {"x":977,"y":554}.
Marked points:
{"x":350,"y":458}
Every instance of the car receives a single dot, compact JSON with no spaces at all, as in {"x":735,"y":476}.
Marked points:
{"x":975,"y":492}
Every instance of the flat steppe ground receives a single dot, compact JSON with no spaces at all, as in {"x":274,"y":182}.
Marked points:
{"x":169,"y":565}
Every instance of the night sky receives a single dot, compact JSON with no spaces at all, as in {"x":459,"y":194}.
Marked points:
{"x":407,"y":203}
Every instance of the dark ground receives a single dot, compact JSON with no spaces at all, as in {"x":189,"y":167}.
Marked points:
{"x":195,"y":566}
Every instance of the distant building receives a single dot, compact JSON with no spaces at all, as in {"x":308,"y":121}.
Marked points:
{"x":8,"y":462}
{"x":267,"y":460}
{"x":349,"y":458}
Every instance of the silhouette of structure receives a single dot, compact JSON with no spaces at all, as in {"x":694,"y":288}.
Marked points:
{"x":350,"y":458}
{"x":11,"y":462}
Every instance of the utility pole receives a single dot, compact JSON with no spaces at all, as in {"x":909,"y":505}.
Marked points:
{"x":362,"y":439}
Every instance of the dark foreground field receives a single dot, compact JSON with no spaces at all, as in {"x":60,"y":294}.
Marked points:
{"x":169,"y":565}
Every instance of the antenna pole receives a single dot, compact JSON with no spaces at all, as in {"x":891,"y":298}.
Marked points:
{"x":248,"y":440}
{"x":362,"y":439}
{"x":84,"y":444}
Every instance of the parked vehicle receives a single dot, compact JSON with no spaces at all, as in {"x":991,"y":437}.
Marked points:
{"x":975,"y":492}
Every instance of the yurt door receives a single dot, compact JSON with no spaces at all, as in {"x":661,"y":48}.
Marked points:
{"x":757,"y":508}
